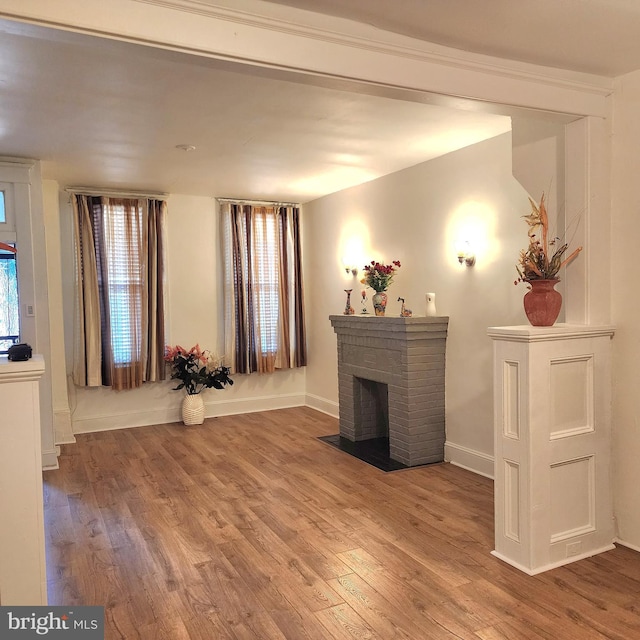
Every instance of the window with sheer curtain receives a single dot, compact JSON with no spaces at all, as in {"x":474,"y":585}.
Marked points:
{"x":119,"y":336}
{"x":263,"y":293}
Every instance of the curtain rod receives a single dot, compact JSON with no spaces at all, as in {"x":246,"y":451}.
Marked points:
{"x":258,"y":202}
{"x":95,"y":191}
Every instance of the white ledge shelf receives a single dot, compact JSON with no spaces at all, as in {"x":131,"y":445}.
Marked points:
{"x":559,"y":331}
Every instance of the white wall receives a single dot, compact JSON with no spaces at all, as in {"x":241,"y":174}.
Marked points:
{"x":626,"y":308}
{"x":416,"y":216}
{"x":194,"y":316}
{"x":61,"y":414}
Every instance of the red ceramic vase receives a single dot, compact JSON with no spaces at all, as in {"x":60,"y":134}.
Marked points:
{"x":542,"y":302}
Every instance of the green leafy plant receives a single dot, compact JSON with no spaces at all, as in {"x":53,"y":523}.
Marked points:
{"x":196,"y":369}
{"x":543,"y":258}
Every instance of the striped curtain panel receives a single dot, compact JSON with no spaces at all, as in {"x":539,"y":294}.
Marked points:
{"x":120,"y":327}
{"x":263,"y":293}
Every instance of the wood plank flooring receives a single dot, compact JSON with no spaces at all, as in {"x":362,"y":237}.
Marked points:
{"x":248,"y":527}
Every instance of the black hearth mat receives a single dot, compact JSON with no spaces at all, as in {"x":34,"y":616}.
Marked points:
{"x":374,"y":451}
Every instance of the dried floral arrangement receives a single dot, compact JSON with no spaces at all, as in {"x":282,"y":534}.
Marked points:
{"x":543,"y":258}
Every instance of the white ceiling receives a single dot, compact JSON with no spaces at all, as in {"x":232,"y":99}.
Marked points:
{"x":103,"y":113}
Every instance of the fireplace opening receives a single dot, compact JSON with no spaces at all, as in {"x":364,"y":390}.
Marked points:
{"x":371,"y":426}
{"x":371,"y":409}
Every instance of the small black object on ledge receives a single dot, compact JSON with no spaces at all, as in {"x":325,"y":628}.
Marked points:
{"x":19,"y":352}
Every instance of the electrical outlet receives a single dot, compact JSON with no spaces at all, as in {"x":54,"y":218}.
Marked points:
{"x":574,"y":548}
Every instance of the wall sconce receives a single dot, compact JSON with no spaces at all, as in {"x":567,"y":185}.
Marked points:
{"x":465,"y":254}
{"x":352,"y":270}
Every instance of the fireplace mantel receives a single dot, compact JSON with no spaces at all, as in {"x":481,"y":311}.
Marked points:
{"x":407,"y":355}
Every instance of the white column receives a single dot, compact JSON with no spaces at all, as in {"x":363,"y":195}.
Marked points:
{"x":552,"y":415}
{"x":22,"y":548}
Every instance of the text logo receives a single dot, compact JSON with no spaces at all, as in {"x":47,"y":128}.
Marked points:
{"x":53,"y":623}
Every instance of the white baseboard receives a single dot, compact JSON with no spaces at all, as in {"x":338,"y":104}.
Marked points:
{"x":552,"y":565}
{"x":322,"y":404}
{"x":110,"y":422}
{"x":113,"y":421}
{"x":62,"y":427}
{"x":633,"y":547}
{"x":251,"y":405}
{"x":50,"y":459}
{"x":476,"y":461}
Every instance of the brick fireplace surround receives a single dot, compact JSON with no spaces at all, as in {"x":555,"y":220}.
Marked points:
{"x":391,"y":383}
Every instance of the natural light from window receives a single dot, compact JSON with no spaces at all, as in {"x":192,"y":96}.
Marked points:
{"x":9,"y":316}
{"x":268,"y":292}
{"x":124,"y":288}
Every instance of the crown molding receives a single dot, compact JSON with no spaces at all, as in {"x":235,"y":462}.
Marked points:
{"x":10,"y":161}
{"x":358,"y":35}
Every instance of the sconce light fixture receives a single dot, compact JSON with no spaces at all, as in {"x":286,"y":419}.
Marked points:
{"x":348,"y":264}
{"x":465,"y":254}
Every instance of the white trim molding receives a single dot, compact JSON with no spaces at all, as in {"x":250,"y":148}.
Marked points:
{"x":552,"y":565}
{"x":63,"y":427}
{"x":328,"y":407}
{"x":469,"y":459}
{"x":296,"y":22}
{"x":109,"y":422}
{"x":50,"y":459}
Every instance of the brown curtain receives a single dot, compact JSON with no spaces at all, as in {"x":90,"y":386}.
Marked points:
{"x":264,"y":301}
{"x":120,"y":291}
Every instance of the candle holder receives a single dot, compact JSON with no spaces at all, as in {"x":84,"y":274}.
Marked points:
{"x":364,"y":303}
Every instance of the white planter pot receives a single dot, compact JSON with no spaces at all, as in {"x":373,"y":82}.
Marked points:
{"x":193,"y":409}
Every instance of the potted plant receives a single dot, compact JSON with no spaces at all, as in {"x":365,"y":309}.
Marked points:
{"x":196,"y":370}
{"x":379,"y":277}
{"x":539,"y":265}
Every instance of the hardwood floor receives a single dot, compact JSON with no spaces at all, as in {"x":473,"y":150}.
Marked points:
{"x":249,"y":527}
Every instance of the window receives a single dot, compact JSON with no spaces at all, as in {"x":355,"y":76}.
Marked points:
{"x":3,"y":215}
{"x":119,"y":335}
{"x":120,"y":277}
{"x":9,"y":316}
{"x":264,"y":319}
{"x":268,"y":281}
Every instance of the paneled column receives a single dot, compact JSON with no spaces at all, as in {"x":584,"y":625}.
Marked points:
{"x":552,"y":397}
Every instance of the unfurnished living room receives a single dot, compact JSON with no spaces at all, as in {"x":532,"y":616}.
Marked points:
{"x":315,"y":319}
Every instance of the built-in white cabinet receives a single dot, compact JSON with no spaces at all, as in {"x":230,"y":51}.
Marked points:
{"x":22,"y":548}
{"x":552,"y":408}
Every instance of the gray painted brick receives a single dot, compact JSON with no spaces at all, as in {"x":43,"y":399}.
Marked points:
{"x":393,"y":366}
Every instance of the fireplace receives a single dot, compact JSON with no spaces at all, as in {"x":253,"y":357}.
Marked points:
{"x":391,"y":384}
